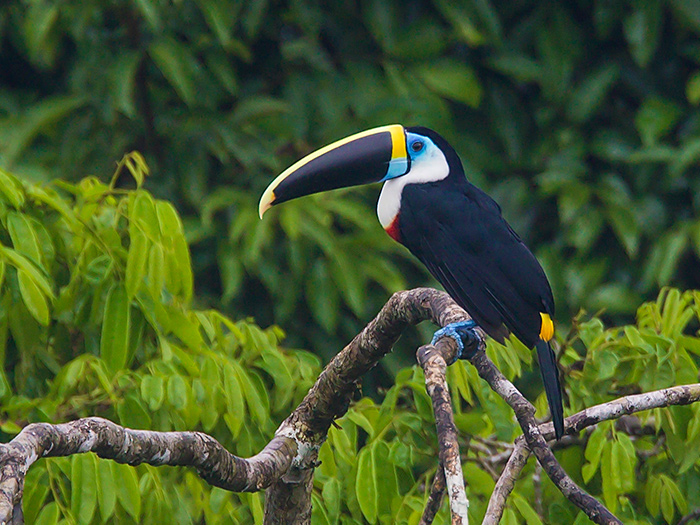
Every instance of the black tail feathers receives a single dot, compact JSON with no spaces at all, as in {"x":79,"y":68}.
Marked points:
{"x":550,"y":378}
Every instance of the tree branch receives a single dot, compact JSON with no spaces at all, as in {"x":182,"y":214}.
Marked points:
{"x":435,"y":367}
{"x":111,"y":441}
{"x":437,"y":491}
{"x":286,"y":464}
{"x":506,"y":483}
{"x":525,"y":414}
{"x":677,"y":395}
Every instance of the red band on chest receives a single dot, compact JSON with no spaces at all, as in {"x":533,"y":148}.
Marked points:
{"x":393,"y":229}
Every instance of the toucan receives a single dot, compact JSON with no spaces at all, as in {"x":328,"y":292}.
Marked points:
{"x":454,"y":228}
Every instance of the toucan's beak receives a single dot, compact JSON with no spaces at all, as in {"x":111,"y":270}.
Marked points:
{"x":371,"y":156}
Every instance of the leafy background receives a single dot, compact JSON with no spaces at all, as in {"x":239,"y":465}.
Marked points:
{"x":580,"y":118}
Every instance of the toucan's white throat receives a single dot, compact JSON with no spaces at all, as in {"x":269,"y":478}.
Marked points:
{"x":430,"y":166}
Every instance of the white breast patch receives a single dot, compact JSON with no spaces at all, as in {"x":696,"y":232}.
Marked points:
{"x":430,"y":167}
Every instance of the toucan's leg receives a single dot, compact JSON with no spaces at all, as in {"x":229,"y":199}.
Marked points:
{"x":464,"y":334}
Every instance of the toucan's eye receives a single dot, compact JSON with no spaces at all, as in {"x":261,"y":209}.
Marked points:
{"x":417,"y":146}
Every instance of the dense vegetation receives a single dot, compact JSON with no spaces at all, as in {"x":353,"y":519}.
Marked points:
{"x":96,"y":319}
{"x":581,"y":118}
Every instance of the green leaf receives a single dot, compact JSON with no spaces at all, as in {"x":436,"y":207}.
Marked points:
{"x":156,"y":269}
{"x":132,"y":413}
{"x":322,"y":296}
{"x":84,"y":485}
{"x":234,"y":400}
{"x":36,"y":489}
{"x":332,"y":492}
{"x":136,"y":263}
{"x":116,"y":325}
{"x":177,"y":391}
{"x":106,"y":489}
{"x":642,"y":29}
{"x":33,"y":298}
{"x":128,"y":493}
{"x":221,"y":16}
{"x":454,"y":80}
{"x":653,"y":494}
{"x":98,"y":269}
{"x":22,"y":263}
{"x":177,"y":65}
{"x":590,"y":95}
{"x":526,"y":511}
{"x":626,"y":228}
{"x":49,"y":515}
{"x":692,"y":89}
{"x":366,"y":485}
{"x":39,"y":118}
{"x":11,"y":188}
{"x":123,"y":80}
{"x":39,"y":32}
{"x":608,"y":472}
{"x":655,"y":118}
{"x":255,"y":396}
{"x":666,"y":501}
{"x":24,"y":237}
{"x":152,"y":391}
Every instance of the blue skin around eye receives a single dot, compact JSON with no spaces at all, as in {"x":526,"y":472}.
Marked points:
{"x":399,"y":167}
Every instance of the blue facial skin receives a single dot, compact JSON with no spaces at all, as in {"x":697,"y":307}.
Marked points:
{"x":416,"y":146}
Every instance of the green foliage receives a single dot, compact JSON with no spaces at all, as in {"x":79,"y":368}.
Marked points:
{"x":379,"y":464}
{"x":96,"y":319}
{"x":580,"y":118}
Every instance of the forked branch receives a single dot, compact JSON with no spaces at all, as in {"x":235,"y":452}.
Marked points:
{"x":285,"y":466}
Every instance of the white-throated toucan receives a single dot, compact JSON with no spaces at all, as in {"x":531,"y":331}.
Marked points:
{"x":455,"y":229}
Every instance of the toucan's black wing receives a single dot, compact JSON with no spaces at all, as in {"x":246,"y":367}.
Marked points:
{"x":469,"y":248}
{"x":466,"y":244}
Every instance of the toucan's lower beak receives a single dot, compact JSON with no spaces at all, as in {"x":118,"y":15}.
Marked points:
{"x":371,"y":156}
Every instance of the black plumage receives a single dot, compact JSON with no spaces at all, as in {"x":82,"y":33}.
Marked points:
{"x":459,"y":234}
{"x":453,"y":227}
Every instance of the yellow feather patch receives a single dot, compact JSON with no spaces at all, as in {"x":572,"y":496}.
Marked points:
{"x":547,"y":329}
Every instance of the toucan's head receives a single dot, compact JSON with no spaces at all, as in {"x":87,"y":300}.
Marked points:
{"x":376,"y":155}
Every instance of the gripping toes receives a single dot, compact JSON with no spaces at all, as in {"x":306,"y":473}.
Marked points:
{"x":464,"y":334}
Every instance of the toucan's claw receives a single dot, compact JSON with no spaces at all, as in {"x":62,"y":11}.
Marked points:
{"x":468,"y":339}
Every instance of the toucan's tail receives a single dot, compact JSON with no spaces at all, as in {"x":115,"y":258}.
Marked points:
{"x":550,"y":378}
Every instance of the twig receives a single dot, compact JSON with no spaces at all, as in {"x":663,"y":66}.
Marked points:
{"x":689,"y":517}
{"x":435,"y":367}
{"x":677,"y":395}
{"x":437,"y":491}
{"x":525,"y":414}
{"x":506,"y":483}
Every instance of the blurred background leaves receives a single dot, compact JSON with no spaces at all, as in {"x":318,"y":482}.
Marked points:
{"x":580,"y":118}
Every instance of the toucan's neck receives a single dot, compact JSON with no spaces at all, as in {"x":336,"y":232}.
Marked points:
{"x":437,"y":172}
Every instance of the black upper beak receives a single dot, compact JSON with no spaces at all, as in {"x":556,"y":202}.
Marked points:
{"x":370,"y":156}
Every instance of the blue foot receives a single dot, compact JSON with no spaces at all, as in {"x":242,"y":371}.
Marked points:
{"x":462,"y":332}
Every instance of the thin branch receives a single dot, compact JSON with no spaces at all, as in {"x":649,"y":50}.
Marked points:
{"x":525,"y":414}
{"x":435,"y":367}
{"x":694,"y":515}
{"x":677,"y":395}
{"x":437,"y":491}
{"x":506,"y":483}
